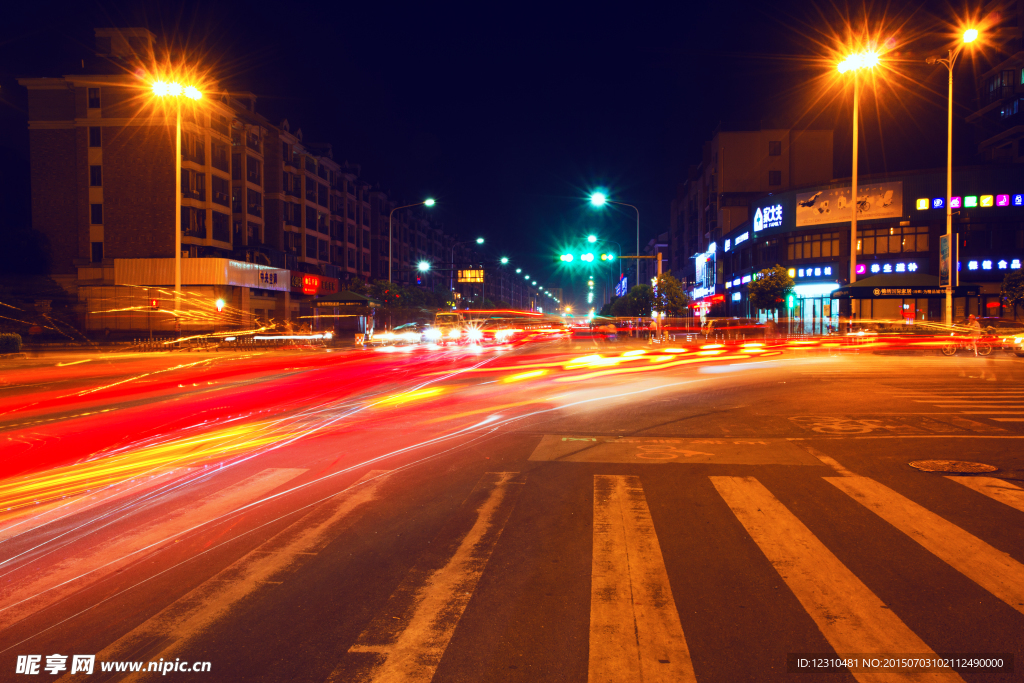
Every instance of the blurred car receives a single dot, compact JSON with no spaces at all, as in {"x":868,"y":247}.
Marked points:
{"x":410,"y":333}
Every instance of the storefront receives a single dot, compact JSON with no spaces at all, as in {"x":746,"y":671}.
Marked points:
{"x":900,"y":220}
{"x":909,"y":297}
{"x":305,"y":290}
{"x":349,"y":315}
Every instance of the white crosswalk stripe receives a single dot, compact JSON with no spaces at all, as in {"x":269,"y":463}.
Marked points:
{"x":987,"y":401}
{"x":850,"y":616}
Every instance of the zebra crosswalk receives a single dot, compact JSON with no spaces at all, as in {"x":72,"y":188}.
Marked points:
{"x":639,"y":624}
{"x":998,"y":403}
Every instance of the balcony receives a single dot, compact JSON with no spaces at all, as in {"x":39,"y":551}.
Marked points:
{"x":254,"y":209}
{"x":253,"y":177}
{"x":252,"y":141}
{"x":220,"y":161}
{"x":221,"y":198}
{"x":187,"y":193}
{"x":194,"y":231}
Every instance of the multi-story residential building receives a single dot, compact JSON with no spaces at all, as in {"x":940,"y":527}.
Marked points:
{"x":268,"y":221}
{"x":741,"y":163}
{"x":999,"y":110}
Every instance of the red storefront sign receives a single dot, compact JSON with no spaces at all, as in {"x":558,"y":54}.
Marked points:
{"x":313,"y":284}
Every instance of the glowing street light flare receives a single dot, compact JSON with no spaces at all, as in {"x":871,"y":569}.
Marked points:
{"x":591,"y":238}
{"x":970,"y":35}
{"x":423,"y":266}
{"x":429,"y":202}
{"x":859,"y":60}
{"x":598,"y":198}
{"x":479,"y":240}
{"x":504,"y":259}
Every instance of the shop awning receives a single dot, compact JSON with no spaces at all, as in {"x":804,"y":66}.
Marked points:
{"x":900,"y":286}
{"x":346,"y":299}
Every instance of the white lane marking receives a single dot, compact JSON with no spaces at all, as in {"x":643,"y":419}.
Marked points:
{"x":635,"y":632}
{"x":990,"y":568}
{"x":996,"y":489}
{"x":429,"y":609}
{"x":193,"y":613}
{"x":49,"y":585}
{"x":828,"y":460}
{"x":850,"y":616}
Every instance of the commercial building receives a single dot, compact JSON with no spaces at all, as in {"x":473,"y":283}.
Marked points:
{"x":740,"y":164}
{"x":900,"y":220}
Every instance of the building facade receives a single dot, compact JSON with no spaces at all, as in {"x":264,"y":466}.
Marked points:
{"x":901,"y":218}
{"x":740,"y":164}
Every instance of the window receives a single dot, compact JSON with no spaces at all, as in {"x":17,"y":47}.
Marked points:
{"x":95,"y":176}
{"x":775,"y":148}
{"x":322,"y":222}
{"x":254,"y":203}
{"x":321,"y":194}
{"x":255,"y":234}
{"x":892,"y":240}
{"x":219,"y":156}
{"x":97,"y":252}
{"x":95,"y":136}
{"x":221,"y":227}
{"x":236,"y":166}
{"x":94,"y":98}
{"x":252,"y":169}
{"x":199,"y":188}
{"x":324,"y":250}
{"x":351,"y":258}
{"x":96,"y":214}
{"x":311,"y":246}
{"x":284,"y":151}
{"x":774,"y":177}
{"x":822,"y":245}
{"x":221,"y":190}
{"x":311,"y":189}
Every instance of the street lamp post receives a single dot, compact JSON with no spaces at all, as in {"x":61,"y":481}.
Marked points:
{"x":855,"y":63}
{"x":969,"y":36}
{"x":172,"y":89}
{"x":600,"y":199}
{"x":425,"y":202}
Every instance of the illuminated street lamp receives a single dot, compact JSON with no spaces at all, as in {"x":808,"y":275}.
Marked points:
{"x":519,"y":270}
{"x":425,"y":202}
{"x":175,"y":91}
{"x":591,"y":238}
{"x":600,"y":199}
{"x":504,"y":260}
{"x":969,"y":36}
{"x":855,"y":63}
{"x":423,"y":266}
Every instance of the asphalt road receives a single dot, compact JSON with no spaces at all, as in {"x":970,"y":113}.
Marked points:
{"x":557,"y":513}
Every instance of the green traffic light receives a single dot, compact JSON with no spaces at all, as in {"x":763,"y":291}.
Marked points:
{"x":504,"y":259}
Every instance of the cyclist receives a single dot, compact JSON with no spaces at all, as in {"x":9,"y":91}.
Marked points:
{"x":974,"y":330}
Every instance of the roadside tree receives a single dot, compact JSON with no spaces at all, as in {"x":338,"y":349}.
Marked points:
{"x":768,"y":291}
{"x":671,"y":298}
{"x":1013,"y":289}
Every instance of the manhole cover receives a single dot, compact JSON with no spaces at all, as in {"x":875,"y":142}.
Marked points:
{"x":952,"y":466}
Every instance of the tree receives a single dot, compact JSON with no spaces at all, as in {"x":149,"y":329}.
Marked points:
{"x":671,"y":297}
{"x":1013,"y":289}
{"x":769,"y":289}
{"x":636,"y":303}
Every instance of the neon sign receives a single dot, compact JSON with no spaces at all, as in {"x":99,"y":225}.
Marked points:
{"x":740,"y":239}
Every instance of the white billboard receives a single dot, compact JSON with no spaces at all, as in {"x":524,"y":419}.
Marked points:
{"x":874,"y":200}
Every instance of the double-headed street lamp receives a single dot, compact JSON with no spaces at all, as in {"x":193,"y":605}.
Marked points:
{"x":855,"y":63}
{"x":425,"y":202}
{"x":969,"y":36}
{"x":173,"y":91}
{"x":600,"y":199}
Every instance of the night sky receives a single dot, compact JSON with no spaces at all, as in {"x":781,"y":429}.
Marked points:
{"x":510,"y":114}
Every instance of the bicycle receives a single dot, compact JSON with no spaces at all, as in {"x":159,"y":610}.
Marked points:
{"x":954,"y":344}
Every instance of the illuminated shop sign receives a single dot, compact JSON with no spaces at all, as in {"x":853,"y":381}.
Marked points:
{"x":622,"y":288}
{"x":737,"y":296}
{"x":876,"y":268}
{"x":985,"y":201}
{"x":268,"y":277}
{"x":988,"y":264}
{"x":728,"y":243}
{"x":820,"y":271}
{"x":768,"y":217}
{"x":740,"y":239}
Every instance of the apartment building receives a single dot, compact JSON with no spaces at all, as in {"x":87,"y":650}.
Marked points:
{"x":276,"y":219}
{"x":999,"y":109}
